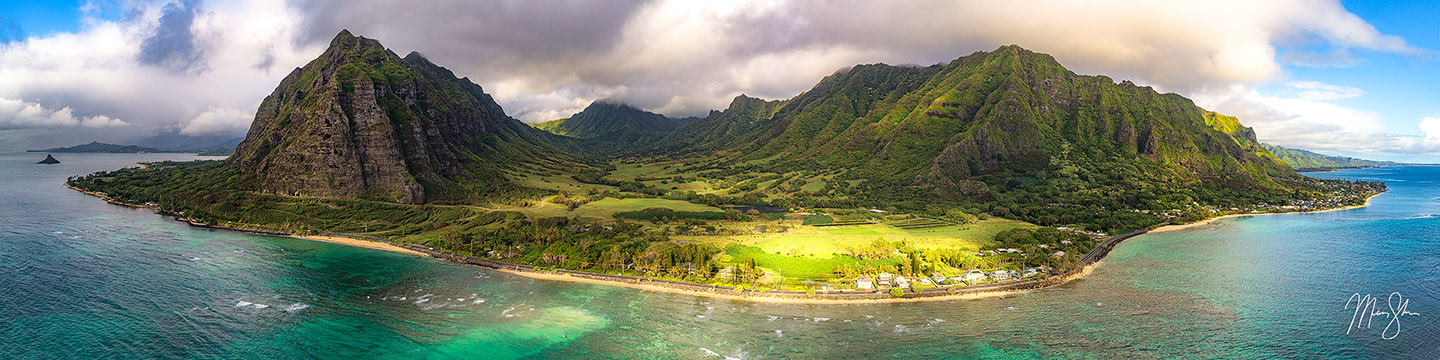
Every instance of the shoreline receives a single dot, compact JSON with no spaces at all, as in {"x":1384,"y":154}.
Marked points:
{"x":1212,"y":220}
{"x":974,"y":292}
{"x":369,"y":244}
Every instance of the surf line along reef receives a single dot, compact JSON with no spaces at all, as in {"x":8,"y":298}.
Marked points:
{"x":998,"y":170}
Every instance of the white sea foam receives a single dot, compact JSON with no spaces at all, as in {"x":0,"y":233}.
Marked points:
{"x":294,"y":307}
{"x":477,"y":301}
{"x":901,"y":329}
{"x":772,"y":318}
{"x":243,"y":303}
{"x":779,"y":333}
{"x":820,"y":319}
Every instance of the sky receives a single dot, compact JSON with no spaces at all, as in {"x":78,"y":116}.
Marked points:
{"x":1343,"y":78}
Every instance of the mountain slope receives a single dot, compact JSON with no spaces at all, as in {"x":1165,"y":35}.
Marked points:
{"x":361,"y":122}
{"x":611,"y":128}
{"x":1010,"y":131}
{"x":99,"y":147}
{"x":1303,"y":160}
{"x":720,"y":129}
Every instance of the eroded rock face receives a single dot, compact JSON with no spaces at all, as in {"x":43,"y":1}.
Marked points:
{"x":361,"y":122}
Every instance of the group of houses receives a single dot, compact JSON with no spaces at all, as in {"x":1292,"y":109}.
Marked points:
{"x":971,"y":277}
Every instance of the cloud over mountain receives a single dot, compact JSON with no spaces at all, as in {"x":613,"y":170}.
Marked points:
{"x":170,"y":63}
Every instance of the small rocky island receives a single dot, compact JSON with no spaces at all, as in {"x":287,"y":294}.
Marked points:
{"x":49,"y":159}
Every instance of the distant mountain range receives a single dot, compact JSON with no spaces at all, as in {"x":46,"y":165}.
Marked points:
{"x":99,"y":147}
{"x":1303,"y":160}
{"x":1008,"y":132}
{"x":612,"y":128}
{"x":221,"y":147}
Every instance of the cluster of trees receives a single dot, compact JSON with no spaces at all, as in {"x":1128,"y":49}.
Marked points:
{"x":570,"y":244}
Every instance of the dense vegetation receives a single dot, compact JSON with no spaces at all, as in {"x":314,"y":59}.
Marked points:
{"x":1303,"y":160}
{"x":364,"y":142}
{"x":611,"y":128}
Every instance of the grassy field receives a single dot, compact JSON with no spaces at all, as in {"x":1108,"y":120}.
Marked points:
{"x":826,"y":242}
{"x":558,"y":183}
{"x":605,"y":208}
{"x":792,"y":267}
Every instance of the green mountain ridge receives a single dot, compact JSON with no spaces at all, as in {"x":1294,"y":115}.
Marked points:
{"x":361,"y":122}
{"x":999,"y":130}
{"x":99,"y":147}
{"x":612,"y":128}
{"x":1303,"y":160}
{"x":1009,"y":133}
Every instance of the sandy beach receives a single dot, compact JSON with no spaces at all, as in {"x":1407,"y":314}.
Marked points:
{"x":1218,"y":218}
{"x":754,"y":297}
{"x":361,"y":243}
{"x":763,"y":298}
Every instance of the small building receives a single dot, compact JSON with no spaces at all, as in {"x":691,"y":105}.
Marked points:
{"x":883,"y":279}
{"x":726,"y":273}
{"x":938,"y":278}
{"x":926,"y":281}
{"x":1029,"y":272}
{"x":901,"y":281}
{"x":877,"y":211}
{"x":973,"y":276}
{"x":1000,"y":275}
{"x":1058,"y":254}
{"x":864,"y":282}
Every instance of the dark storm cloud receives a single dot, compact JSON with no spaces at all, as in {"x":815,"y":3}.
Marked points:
{"x":504,"y":32}
{"x":174,"y":46}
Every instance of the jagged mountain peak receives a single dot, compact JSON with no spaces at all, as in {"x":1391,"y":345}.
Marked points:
{"x":361,"y":122}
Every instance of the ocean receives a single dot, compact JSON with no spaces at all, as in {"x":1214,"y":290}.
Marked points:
{"x":83,"y":279}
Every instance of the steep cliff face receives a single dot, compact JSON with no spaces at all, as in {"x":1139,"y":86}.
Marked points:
{"x":972,"y":127}
{"x":361,"y":122}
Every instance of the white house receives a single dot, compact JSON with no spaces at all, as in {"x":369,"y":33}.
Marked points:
{"x":864,"y":282}
{"x":883,"y":279}
{"x":1000,"y":275}
{"x":973,"y":276}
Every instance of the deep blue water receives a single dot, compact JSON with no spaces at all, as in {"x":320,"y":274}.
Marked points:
{"x":85,"y":279}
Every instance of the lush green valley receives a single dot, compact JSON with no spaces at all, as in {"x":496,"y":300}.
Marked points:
{"x":998,"y":160}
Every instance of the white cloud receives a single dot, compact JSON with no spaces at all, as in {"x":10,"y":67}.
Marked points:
{"x":1318,"y":91}
{"x":544,"y":60}
{"x":1430,"y":128}
{"x":218,"y":121}
{"x":18,"y":114}
{"x":97,"y":69}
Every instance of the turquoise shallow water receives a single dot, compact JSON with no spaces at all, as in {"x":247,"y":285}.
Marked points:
{"x":85,"y":279}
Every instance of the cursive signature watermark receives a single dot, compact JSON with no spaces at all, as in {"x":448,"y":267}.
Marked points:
{"x":1366,"y":310}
